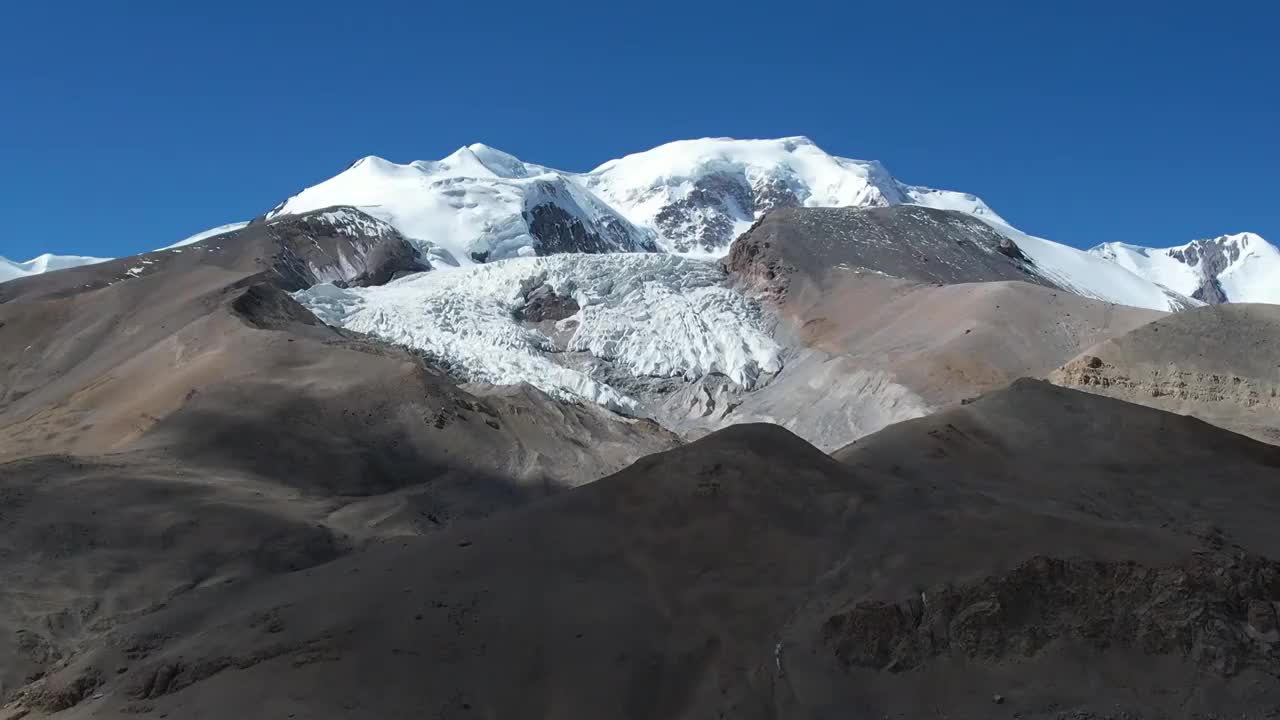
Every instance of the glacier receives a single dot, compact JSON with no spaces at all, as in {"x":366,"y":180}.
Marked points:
{"x":645,"y":314}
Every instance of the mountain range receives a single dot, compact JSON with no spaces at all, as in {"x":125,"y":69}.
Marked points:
{"x":723,"y":429}
{"x":695,"y":197}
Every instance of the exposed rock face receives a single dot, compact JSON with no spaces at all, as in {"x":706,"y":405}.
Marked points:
{"x":704,"y":219}
{"x":1213,"y":256}
{"x":543,"y":304}
{"x":1218,"y":610}
{"x":906,"y":241}
{"x":708,"y":216}
{"x":1093,"y":374}
{"x":340,"y":245}
{"x":558,"y":231}
{"x":1216,"y":362}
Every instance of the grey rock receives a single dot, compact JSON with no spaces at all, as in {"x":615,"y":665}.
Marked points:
{"x":905,"y":241}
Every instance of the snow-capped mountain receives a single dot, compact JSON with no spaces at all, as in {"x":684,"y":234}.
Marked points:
{"x":691,"y":197}
{"x":477,"y":205}
{"x":11,"y":270}
{"x":1231,"y":268}
{"x":699,"y":195}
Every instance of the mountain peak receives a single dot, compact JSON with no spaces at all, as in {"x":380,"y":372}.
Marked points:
{"x":372,"y":162}
{"x":1241,"y":267}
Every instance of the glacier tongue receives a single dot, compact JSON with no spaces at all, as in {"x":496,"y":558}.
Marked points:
{"x":650,"y":315}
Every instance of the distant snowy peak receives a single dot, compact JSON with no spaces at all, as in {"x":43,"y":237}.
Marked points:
{"x":1231,"y":268}
{"x":11,"y":270}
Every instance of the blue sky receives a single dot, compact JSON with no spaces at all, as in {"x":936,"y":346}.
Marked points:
{"x":129,"y":125}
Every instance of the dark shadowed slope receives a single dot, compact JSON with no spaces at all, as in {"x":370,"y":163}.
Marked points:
{"x":1069,"y":553}
{"x":189,"y":425}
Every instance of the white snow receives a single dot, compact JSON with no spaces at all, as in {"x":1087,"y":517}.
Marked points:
{"x":1153,"y":264}
{"x":643,"y":184}
{"x":473,"y":201}
{"x":1092,"y":276}
{"x":11,"y":270}
{"x":211,"y":232}
{"x":474,"y":205}
{"x":952,"y":200}
{"x":1254,"y":276}
{"x":649,"y":314}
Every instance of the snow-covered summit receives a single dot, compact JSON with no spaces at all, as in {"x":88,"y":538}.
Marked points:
{"x":11,"y":270}
{"x":476,"y":205}
{"x":690,"y":197}
{"x":701,"y":194}
{"x":1242,"y":267}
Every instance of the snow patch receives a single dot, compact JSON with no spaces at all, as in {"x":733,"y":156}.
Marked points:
{"x":211,"y":232}
{"x":11,"y":270}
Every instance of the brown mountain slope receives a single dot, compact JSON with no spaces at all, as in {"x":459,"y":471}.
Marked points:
{"x":1040,"y":552}
{"x":1220,"y":363}
{"x":190,"y":425}
{"x":890,"y":314}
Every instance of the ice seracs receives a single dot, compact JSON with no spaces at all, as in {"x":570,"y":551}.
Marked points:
{"x":1242,"y":267}
{"x":638,"y":315}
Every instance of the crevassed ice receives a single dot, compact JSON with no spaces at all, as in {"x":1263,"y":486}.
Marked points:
{"x":650,"y":314}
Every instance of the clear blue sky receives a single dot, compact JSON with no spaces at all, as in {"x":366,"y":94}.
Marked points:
{"x":1079,"y":121}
